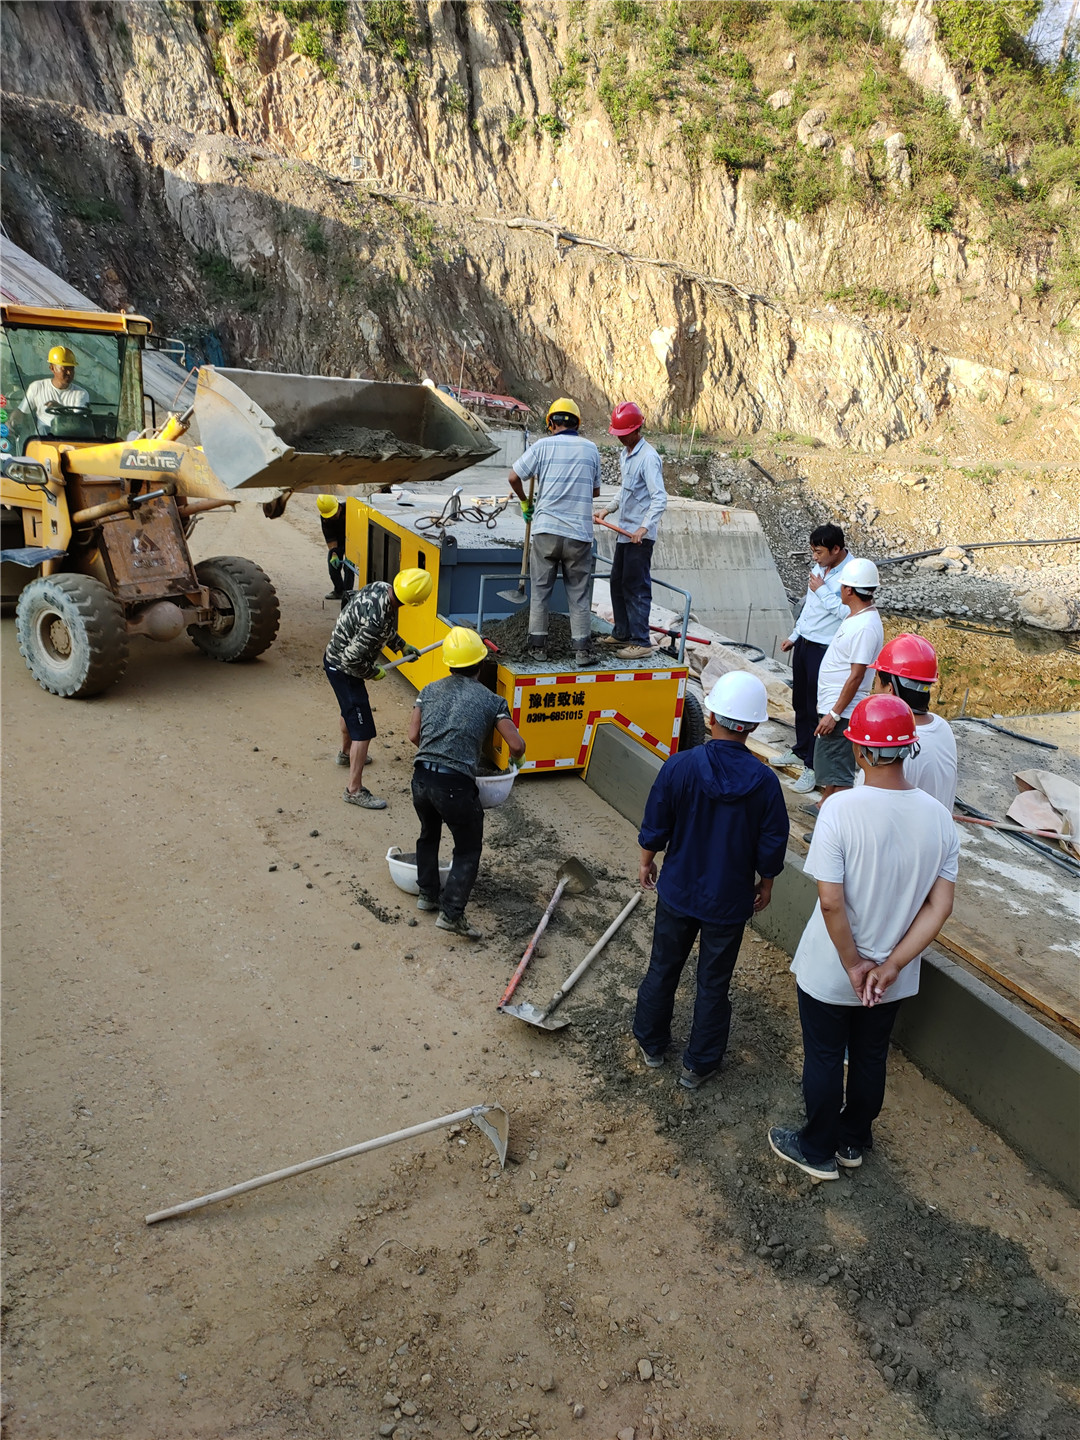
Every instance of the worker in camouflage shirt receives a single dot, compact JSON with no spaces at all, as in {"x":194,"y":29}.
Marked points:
{"x":367,"y":624}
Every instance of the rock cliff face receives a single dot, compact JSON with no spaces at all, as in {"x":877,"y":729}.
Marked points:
{"x":349,"y":211}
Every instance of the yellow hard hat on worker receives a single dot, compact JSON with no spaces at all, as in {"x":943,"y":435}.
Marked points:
{"x":462,"y":648}
{"x":327,"y":506}
{"x":412,"y":587}
{"x":61,"y":355}
{"x":562,"y":406}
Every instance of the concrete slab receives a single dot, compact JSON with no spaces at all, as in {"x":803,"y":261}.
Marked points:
{"x":621,"y":772}
{"x":723,"y":558}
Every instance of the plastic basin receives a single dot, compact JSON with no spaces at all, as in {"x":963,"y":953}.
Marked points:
{"x":403,"y":870}
{"x":495,"y":789}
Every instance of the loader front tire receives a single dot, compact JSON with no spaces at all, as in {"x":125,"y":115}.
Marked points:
{"x":248,"y":613}
{"x":72,"y":635}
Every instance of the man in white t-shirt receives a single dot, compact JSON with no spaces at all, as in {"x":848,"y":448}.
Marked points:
{"x":844,"y":679}
{"x":885,"y":860}
{"x":45,"y":398}
{"x":907,"y":667}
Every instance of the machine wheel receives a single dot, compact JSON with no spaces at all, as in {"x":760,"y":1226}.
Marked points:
{"x":248,"y":611}
{"x":692,"y":729}
{"x":72,"y":635}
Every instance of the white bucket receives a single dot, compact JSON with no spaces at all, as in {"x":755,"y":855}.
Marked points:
{"x":495,"y":789}
{"x":403,"y":870}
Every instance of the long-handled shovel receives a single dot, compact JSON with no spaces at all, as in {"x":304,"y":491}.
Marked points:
{"x":571,"y":875}
{"x":497,"y":1130}
{"x":517,"y":597}
{"x":408,"y":659}
{"x":546,"y":1019}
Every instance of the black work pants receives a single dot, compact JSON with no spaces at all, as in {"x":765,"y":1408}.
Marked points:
{"x":631,"y":591}
{"x":440,"y":797}
{"x":805,"y":663}
{"x":673,"y":939}
{"x":835,"y":1119}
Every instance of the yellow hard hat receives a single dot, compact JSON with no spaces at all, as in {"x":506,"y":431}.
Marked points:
{"x":327,"y":506}
{"x":412,"y":587}
{"x":61,"y":355}
{"x":462,"y":648}
{"x":563,"y":406}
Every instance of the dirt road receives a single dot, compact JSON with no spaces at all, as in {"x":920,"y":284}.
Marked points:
{"x":208,"y":974}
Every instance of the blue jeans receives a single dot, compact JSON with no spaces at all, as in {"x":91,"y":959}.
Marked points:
{"x":631,"y":591}
{"x":673,"y":939}
{"x":835,"y":1119}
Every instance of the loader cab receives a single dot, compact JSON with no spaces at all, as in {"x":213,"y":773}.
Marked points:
{"x":108,"y":352}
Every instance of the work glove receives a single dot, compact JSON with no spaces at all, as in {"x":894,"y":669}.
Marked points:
{"x":335,"y":562}
{"x":527,"y":511}
{"x":517,"y":761}
{"x":410,"y":653}
{"x":378,"y":673}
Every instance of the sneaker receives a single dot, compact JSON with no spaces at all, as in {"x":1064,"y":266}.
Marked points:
{"x":788,"y":758}
{"x":634,"y":651}
{"x":341,"y":758}
{"x":692,"y":1080}
{"x":332,"y":595}
{"x":586,"y":656}
{"x":654,"y":1062}
{"x":805,"y":783}
{"x":364,"y":798}
{"x":785,"y":1143}
{"x":615,"y":640}
{"x":537,"y":655}
{"x":460,"y":926}
{"x":849,"y":1157}
{"x":423,"y":903}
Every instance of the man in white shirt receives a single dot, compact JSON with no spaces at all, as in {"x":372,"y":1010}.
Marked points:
{"x":907,"y":667}
{"x":884,"y":856}
{"x":566,"y":467}
{"x":642,"y":500}
{"x":45,"y":398}
{"x":844,"y":679}
{"x":818,"y":622}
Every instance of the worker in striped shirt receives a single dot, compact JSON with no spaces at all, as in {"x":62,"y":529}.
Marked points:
{"x":566,"y":471}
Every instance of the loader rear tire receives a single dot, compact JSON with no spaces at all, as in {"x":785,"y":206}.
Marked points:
{"x":248,"y":610}
{"x":72,"y":635}
{"x":692,"y":729}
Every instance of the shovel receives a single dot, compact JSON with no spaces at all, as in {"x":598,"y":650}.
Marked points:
{"x":517,"y":597}
{"x":408,"y":659}
{"x":544,"y":1019}
{"x":497,"y":1130}
{"x":571,"y":875}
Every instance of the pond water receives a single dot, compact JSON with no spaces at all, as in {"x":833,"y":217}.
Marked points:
{"x":1020,"y":671}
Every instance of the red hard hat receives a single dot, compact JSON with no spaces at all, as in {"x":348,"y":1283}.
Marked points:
{"x":909,"y":656}
{"x":625,"y":418}
{"x":881,"y":720}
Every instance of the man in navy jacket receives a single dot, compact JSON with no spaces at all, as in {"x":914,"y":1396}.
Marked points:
{"x":719,"y":813}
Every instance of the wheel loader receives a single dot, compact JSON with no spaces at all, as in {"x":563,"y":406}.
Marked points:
{"x":98,"y":499}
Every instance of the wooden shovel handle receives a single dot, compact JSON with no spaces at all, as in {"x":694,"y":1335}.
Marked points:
{"x":515,"y":979}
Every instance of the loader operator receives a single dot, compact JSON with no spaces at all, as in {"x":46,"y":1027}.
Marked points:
{"x":45,"y":398}
{"x":452,"y":720}
{"x":567,"y":481}
{"x":366,"y":624}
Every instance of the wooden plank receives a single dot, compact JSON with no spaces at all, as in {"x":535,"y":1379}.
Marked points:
{"x":981,"y":952}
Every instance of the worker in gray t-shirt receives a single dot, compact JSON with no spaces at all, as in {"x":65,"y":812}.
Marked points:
{"x":450,"y":724}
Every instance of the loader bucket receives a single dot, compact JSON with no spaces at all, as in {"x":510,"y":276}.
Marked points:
{"x":301,"y":432}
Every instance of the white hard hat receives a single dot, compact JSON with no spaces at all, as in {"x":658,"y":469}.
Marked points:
{"x":738,"y":696}
{"x":860,"y":575}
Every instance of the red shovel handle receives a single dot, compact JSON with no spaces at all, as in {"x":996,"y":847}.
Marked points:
{"x":617,"y":528}
{"x":520,"y":971}
{"x":696,"y":639}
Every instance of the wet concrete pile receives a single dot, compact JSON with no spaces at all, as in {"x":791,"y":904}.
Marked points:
{"x":357,"y":440}
{"x":512,"y":636}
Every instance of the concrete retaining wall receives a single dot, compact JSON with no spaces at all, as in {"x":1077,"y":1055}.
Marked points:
{"x":726,"y":565}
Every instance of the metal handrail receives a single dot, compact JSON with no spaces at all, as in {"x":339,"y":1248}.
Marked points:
{"x":686,"y":608}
